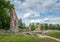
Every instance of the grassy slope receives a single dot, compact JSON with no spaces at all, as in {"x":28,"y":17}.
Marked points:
{"x":22,"y":38}
{"x":56,"y":34}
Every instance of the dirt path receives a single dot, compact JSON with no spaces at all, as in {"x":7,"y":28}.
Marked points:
{"x":44,"y":36}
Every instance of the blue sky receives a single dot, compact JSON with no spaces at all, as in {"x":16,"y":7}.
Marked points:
{"x":38,"y":11}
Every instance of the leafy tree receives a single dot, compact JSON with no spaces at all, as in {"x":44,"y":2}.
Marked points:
{"x":57,"y":26}
{"x":21,"y":25}
{"x":5,"y":7}
{"x":46,"y":26}
{"x":54,"y":26}
{"x":42,"y":26}
{"x":32,"y":26}
{"x":50,"y":27}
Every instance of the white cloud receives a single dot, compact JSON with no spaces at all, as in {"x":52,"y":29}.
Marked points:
{"x":35,"y":21}
{"x":32,"y":8}
{"x":39,"y":20}
{"x":37,"y":6}
{"x":45,"y":19}
{"x":54,"y":20}
{"x":26,"y":15}
{"x":31,"y":14}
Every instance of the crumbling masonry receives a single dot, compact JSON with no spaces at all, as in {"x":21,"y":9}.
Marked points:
{"x":13,"y":21}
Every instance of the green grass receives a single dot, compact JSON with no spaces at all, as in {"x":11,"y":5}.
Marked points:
{"x":22,"y":38}
{"x":22,"y":30}
{"x":55,"y":34}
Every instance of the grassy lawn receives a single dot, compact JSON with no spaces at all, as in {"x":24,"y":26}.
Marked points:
{"x":56,"y":34}
{"x":22,"y":38}
{"x":22,"y":30}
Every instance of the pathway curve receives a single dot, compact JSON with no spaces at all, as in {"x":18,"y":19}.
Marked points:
{"x":44,"y":36}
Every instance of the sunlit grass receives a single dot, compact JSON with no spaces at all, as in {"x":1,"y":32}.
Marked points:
{"x":55,"y":34}
{"x":22,"y":38}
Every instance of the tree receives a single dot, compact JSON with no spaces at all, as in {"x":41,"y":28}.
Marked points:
{"x":46,"y":26}
{"x":21,"y":25}
{"x":4,"y":14}
{"x":32,"y":26}
{"x":53,"y":26}
{"x":57,"y":27}
{"x":42,"y":26}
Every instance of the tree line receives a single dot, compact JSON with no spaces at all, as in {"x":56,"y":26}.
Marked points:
{"x":45,"y":26}
{"x":50,"y":26}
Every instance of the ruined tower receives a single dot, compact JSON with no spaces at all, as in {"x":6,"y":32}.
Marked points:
{"x":13,"y":21}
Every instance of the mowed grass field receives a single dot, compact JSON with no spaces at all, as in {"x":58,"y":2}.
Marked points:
{"x":55,"y":34}
{"x":22,"y":38}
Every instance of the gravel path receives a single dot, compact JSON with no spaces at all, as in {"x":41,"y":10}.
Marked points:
{"x":44,"y":36}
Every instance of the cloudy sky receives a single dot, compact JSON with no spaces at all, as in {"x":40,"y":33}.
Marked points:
{"x":38,"y":11}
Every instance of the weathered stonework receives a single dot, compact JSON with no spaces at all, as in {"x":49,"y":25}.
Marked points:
{"x":28,"y":29}
{"x":13,"y":21}
{"x":38,"y":28}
